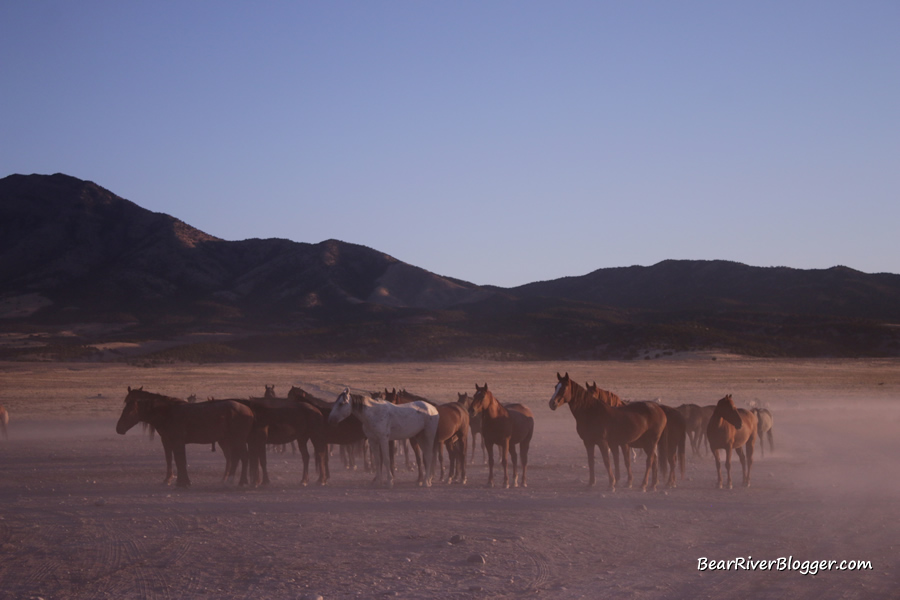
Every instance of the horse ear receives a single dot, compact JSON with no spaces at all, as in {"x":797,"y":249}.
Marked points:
{"x":129,"y":389}
{"x":567,"y":375}
{"x":558,"y":376}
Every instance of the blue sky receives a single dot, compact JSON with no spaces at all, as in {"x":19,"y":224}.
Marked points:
{"x":496,"y":142}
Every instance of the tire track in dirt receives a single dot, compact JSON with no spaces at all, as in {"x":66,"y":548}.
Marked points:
{"x":129,"y":563}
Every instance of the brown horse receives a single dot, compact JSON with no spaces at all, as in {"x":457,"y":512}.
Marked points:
{"x":453,"y":429}
{"x":179,"y":423}
{"x":453,"y":432}
{"x":766,"y":423}
{"x":694,"y":425}
{"x":504,"y":425}
{"x":348,"y":433}
{"x":4,"y":421}
{"x":474,"y":425}
{"x":732,"y":428}
{"x":599,"y":423}
{"x":282,"y":421}
{"x":672,"y":444}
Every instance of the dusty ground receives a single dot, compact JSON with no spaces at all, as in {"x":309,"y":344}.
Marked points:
{"x":83,"y":513}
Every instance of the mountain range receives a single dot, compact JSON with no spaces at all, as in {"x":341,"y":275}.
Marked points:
{"x":85,"y":274}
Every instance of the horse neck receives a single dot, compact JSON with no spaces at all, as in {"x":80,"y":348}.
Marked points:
{"x":584,"y":401}
{"x":493,"y":409}
{"x":405,"y":398}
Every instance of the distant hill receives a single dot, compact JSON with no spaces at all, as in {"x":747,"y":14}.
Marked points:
{"x":716,"y":285}
{"x":87,"y":274}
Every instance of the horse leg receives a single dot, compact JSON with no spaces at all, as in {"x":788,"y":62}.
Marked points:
{"x":304,"y":452}
{"x":718,"y":468}
{"x":384,"y":450}
{"x":183,"y":481}
{"x":417,"y":450}
{"x":651,"y":465}
{"x":626,"y":458}
{"x":589,"y":448}
{"x":375,"y":449}
{"x":749,"y":462}
{"x":523,"y":451}
{"x":463,"y":440}
{"x":728,"y":466}
{"x":515,"y":463}
{"x":740,"y":453}
{"x":167,"y":452}
{"x":771,"y":437}
{"x":504,"y":450}
{"x":320,"y":451}
{"x":490,"y":453}
{"x":604,"y":452}
{"x":242,"y":452}
{"x":406,"y":446}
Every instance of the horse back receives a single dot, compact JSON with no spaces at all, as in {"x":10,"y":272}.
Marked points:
{"x":208,"y":422}
{"x":454,"y":418}
{"x":522,"y":420}
{"x":639,"y":423}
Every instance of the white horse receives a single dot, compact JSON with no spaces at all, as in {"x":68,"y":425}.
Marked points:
{"x":383,"y":421}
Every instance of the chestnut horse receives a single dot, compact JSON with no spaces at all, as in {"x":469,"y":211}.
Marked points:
{"x":732,"y":428}
{"x":766,"y":423}
{"x":504,"y":425}
{"x":598,"y":423}
{"x":383,"y":421}
{"x":474,"y":425}
{"x":4,"y":421}
{"x":179,"y":423}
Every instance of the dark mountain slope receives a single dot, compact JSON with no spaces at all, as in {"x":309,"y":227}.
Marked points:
{"x":81,"y":267}
{"x":681,"y":285}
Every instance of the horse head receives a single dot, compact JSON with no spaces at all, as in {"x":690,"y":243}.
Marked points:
{"x":343,"y":406}
{"x":481,"y":399}
{"x":131,"y":415}
{"x":270,"y":391}
{"x":563,"y":391}
{"x":726,"y":410}
{"x":465,"y":400}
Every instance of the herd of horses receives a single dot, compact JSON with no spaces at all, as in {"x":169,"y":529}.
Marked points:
{"x":367,"y":425}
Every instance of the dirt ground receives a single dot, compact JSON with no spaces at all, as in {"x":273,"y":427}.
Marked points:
{"x":83,"y":512}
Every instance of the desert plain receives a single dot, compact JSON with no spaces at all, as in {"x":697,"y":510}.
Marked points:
{"x":84,"y":513}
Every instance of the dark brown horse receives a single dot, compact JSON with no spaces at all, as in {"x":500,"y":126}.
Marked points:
{"x":600,"y":423}
{"x":282,"y":421}
{"x":4,"y":421}
{"x":504,"y":425}
{"x":766,"y":424}
{"x":694,"y":424}
{"x":474,"y":425}
{"x":348,"y":433}
{"x":179,"y":423}
{"x":732,"y":428}
{"x":672,"y":444}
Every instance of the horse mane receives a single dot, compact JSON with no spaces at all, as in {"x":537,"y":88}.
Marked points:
{"x":142,"y":395}
{"x":301,"y":395}
{"x":358,"y":401}
{"x":582,"y":398}
{"x":413,"y":397}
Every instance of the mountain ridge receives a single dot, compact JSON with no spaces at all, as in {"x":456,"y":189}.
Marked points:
{"x":72,"y":252}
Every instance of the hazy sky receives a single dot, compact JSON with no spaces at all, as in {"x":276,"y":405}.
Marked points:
{"x":496,"y":142}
